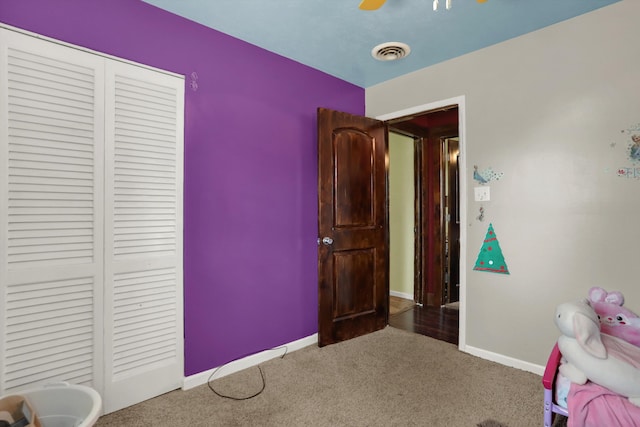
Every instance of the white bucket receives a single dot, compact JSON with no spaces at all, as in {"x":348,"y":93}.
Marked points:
{"x":65,"y":405}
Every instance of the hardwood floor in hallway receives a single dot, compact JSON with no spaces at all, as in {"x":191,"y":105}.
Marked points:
{"x":436,"y":322}
{"x":398,"y":305}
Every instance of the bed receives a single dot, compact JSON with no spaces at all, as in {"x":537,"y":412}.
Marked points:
{"x":551,"y":405}
{"x":589,"y":404}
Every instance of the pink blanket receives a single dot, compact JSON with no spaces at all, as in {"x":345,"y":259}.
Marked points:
{"x":591,"y":405}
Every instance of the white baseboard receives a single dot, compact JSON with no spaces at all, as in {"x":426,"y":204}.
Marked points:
{"x":505,"y":360}
{"x":401,"y":295}
{"x":247,"y":362}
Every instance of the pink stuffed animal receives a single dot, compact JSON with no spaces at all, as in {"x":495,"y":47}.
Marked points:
{"x":615,"y":320}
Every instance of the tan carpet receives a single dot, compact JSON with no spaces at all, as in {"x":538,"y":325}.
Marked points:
{"x":387,"y":378}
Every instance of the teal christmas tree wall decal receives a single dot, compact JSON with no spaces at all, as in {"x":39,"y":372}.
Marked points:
{"x":490,"y":257}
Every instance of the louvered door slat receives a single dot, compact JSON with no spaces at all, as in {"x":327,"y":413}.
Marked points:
{"x":53,"y":210}
{"x":157,"y":182}
{"x":49,"y":157}
{"x":147,"y":149}
{"x":40,"y":150}
{"x":43,"y":326}
{"x":34,"y":345}
{"x":38,"y":135}
{"x":53,"y":202}
{"x":70,"y":80}
{"x":52,"y":233}
{"x":51,"y":223}
{"x":51,"y":100}
{"x":58,"y":131}
{"x":48,"y":374}
{"x":156,"y":144}
{"x":49,"y":167}
{"x":144,"y":253}
{"x":144,"y":111}
{"x":141,"y":153}
{"x":31,"y":308}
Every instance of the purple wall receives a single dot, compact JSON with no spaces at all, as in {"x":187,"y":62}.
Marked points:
{"x":250,"y":268}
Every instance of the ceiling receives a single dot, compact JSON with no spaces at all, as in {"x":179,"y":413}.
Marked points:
{"x":336,"y":37}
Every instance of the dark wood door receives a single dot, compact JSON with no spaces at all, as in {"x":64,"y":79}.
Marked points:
{"x":432,"y":222}
{"x":353,"y":257}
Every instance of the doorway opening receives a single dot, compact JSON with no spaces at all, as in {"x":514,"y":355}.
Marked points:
{"x":353,"y":220}
{"x":436,"y":219}
{"x":434,"y":282}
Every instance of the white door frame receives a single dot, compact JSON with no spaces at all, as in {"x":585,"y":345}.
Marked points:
{"x":460,"y":101}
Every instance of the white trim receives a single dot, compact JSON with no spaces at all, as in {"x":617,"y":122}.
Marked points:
{"x":462,"y":167}
{"x":132,"y":383}
{"x":248,"y":362}
{"x":506,"y":360}
{"x":462,"y":132}
{"x":401,"y":295}
{"x":421,"y":108}
{"x":84,"y":49}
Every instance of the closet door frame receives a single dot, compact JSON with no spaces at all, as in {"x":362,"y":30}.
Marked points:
{"x":103,"y":242}
{"x":26,"y":281}
{"x":143,"y":258}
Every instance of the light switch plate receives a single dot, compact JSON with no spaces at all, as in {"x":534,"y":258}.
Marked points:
{"x":483,"y":194}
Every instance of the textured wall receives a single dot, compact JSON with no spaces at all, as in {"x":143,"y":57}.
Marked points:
{"x":555,"y":112}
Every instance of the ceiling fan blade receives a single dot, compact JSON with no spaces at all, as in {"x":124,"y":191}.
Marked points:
{"x":371,"y":4}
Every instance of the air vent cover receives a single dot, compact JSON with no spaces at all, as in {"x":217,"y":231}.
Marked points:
{"x":390,"y":51}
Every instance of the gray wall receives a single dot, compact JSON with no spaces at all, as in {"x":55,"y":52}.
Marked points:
{"x":554,"y":111}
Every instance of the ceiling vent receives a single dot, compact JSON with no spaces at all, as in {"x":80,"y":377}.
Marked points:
{"x":390,"y":51}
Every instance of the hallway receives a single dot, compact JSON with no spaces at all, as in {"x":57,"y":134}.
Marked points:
{"x":437,"y":322}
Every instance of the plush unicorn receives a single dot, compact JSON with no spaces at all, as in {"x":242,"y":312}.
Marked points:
{"x":615,"y":320}
{"x":609,"y":361}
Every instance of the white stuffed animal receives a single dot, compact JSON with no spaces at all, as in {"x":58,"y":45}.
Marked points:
{"x":609,"y":361}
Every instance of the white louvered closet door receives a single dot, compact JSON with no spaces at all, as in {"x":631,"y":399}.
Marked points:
{"x":143,"y":247}
{"x":51,"y":143}
{"x":91,"y":167}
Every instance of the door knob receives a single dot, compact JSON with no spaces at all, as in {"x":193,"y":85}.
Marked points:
{"x":327,"y":241}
